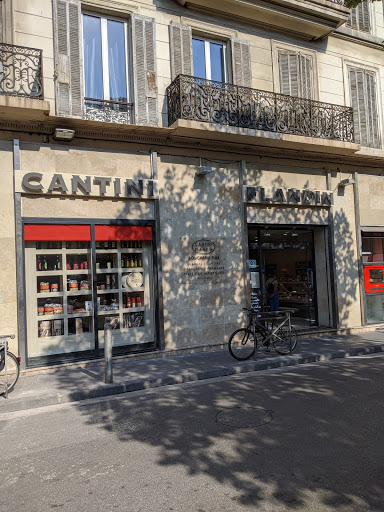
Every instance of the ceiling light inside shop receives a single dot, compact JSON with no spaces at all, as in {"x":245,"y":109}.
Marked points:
{"x":267,"y":233}
{"x":295,"y":233}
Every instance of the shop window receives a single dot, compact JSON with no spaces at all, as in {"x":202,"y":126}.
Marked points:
{"x":209,"y":59}
{"x":359,"y":17}
{"x":72,"y":291}
{"x":295,"y":73}
{"x":373,"y":250}
{"x":364,"y":103}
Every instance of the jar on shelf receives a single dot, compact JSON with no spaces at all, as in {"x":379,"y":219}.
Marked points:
{"x":73,"y":285}
{"x":138,"y":302}
{"x":54,"y":287}
{"x":40,"y":310}
{"x":48,"y":308}
{"x":44,"y":287}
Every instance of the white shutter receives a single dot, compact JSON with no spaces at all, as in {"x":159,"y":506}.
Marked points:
{"x":68,"y":58}
{"x":181,"y":49}
{"x":289,"y":72}
{"x":372,"y":125}
{"x":359,"y":17}
{"x":356,"y":78}
{"x":306,"y":77}
{"x":144,"y":70}
{"x":241,"y":62}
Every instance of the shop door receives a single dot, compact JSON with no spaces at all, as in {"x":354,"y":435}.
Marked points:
{"x":74,"y":283}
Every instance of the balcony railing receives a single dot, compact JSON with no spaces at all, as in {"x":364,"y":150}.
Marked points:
{"x":21,"y":71}
{"x":108,"y":111}
{"x":197,"y":99}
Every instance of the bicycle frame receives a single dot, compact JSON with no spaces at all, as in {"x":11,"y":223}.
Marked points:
{"x":271,"y":333}
{"x":3,"y":355}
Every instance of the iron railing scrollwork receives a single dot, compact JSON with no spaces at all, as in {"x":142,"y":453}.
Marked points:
{"x":108,"y":111}
{"x":226,"y":104}
{"x":21,"y":71}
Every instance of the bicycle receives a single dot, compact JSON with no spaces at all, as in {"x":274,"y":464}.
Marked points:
{"x":244,"y":342}
{"x":9,"y":366}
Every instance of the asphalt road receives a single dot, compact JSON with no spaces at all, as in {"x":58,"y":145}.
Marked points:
{"x":307,"y":438}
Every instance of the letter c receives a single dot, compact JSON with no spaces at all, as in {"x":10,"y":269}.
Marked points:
{"x":32,"y":176}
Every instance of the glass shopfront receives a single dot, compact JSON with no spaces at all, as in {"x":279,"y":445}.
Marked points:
{"x":80,"y":277}
{"x":373,"y":261}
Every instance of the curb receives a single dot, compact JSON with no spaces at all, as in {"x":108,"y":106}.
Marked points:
{"x":129,"y":386}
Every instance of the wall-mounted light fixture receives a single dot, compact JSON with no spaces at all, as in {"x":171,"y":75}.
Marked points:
{"x":203,"y":170}
{"x":63,"y":134}
{"x":345,"y":183}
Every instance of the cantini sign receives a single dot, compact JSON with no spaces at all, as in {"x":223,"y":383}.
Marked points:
{"x":85,"y":185}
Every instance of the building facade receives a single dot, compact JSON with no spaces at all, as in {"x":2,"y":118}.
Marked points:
{"x":162,"y":160}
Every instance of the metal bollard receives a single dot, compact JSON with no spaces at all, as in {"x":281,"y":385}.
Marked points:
{"x":108,"y":352}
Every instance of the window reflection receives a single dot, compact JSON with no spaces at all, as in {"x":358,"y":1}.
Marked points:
{"x":93,"y":68}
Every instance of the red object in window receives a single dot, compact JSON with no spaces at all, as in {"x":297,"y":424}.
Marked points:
{"x":374,"y":278}
{"x":56,"y":232}
{"x":111,"y":233}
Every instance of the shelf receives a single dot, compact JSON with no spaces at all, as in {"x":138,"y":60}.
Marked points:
{"x":103,"y":292}
{"x":49,"y":295}
{"x":45,"y":252}
{"x":136,"y":250}
{"x":106,"y":251}
{"x":132,"y":269}
{"x":50,"y":317}
{"x":80,"y":292}
{"x":132,"y":290}
{"x":109,"y":312}
{"x":78,"y":251}
{"x":77,"y":315}
{"x":78,"y":272}
{"x":139,"y":309}
{"x":107,"y":270}
{"x":47,"y":273}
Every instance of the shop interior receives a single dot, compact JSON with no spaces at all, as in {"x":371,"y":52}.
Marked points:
{"x":286,"y":255}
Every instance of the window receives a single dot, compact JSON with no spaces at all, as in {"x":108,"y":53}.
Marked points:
{"x":295,"y":72}
{"x":359,"y":18}
{"x":209,"y":59}
{"x":364,"y":103}
{"x":105,"y":58}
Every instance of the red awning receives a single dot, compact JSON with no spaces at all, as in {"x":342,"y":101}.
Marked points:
{"x":106,"y":233}
{"x":56,"y":232}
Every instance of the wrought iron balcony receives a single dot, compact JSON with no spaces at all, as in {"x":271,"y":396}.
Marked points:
{"x":108,"y":111}
{"x":21,"y":71}
{"x":197,"y":99}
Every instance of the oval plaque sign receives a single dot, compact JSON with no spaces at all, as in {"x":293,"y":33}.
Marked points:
{"x":203,"y":246}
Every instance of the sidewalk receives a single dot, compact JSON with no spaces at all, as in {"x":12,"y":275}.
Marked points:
{"x":74,"y":383}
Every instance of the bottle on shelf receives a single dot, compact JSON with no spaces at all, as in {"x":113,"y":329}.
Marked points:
{"x":138,"y":302}
{"x":57,"y":264}
{"x":39,"y":265}
{"x":139,"y":261}
{"x":129,"y":304}
{"x":45,"y":263}
{"x":135,"y":261}
{"x":133,"y":302}
{"x":109,"y":262}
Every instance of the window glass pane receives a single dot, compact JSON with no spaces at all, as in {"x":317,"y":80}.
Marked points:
{"x":117,"y":61}
{"x":376,"y":276}
{"x":93,"y":69}
{"x":373,"y":249}
{"x":217,"y":62}
{"x":198,"y":58}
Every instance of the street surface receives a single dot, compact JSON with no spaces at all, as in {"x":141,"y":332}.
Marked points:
{"x":305,"y":438}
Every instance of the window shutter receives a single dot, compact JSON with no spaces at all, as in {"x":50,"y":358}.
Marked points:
{"x":144,"y":70}
{"x":372,"y":125}
{"x":241,"y":62}
{"x":359,"y":17}
{"x":68,"y":58}
{"x":356,"y":78}
{"x":181,"y":49}
{"x":306,"y":77}
{"x":289,"y":73}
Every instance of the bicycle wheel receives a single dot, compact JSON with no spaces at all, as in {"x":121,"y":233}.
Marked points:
{"x":241,"y":345}
{"x":13,"y":371}
{"x":285,"y":340}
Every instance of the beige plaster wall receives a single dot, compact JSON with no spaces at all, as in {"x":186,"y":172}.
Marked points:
{"x":33,"y":27}
{"x":347,"y":278}
{"x":192,"y":208}
{"x":8,"y":294}
{"x":371,"y":199}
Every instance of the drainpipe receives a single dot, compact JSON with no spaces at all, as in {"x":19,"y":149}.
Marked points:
{"x":359,"y":249}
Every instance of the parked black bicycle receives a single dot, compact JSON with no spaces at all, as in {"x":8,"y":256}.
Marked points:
{"x":9,"y":366}
{"x":263,"y":330}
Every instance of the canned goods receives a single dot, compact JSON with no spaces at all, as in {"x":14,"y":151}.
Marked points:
{"x":69,"y":309}
{"x":40,"y":310}
{"x":44,"y":287}
{"x":84,"y":285}
{"x":57,"y":309}
{"x":54,"y":287}
{"x":48,"y":309}
{"x":73,"y":285}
